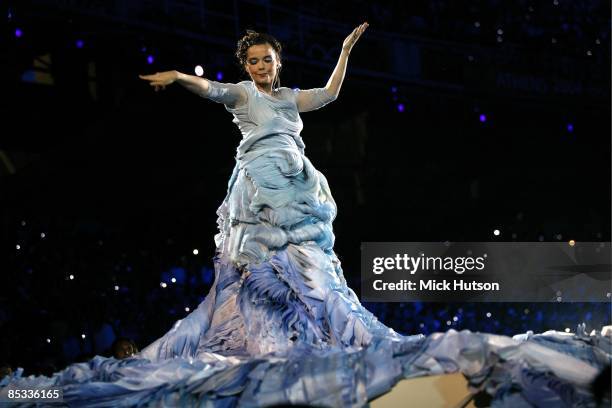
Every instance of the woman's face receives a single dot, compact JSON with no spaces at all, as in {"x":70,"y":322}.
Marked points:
{"x":262,"y":64}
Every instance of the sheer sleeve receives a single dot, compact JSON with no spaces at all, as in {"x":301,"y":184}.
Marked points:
{"x":231,"y":95}
{"x":312,"y":99}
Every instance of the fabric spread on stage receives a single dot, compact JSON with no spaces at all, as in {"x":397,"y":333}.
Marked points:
{"x":280,"y":325}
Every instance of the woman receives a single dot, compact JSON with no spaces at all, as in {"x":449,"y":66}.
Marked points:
{"x":280,"y":324}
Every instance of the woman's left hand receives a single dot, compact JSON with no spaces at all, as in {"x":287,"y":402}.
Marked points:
{"x":347,"y":46}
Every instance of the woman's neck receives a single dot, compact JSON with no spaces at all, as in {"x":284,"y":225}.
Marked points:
{"x":265,"y":88}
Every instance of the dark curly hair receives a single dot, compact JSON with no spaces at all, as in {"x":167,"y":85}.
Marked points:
{"x":254,"y":38}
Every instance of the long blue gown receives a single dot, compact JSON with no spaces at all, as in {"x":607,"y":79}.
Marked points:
{"x":280,"y":324}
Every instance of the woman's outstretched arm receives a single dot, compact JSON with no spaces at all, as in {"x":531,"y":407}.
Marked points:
{"x":312,"y":99}
{"x":231,"y":95}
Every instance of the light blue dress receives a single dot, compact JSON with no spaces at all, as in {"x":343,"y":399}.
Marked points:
{"x":280,"y":325}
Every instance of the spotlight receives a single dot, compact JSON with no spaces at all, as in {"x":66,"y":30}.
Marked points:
{"x":496,"y":232}
{"x":150,"y":59}
{"x":18,"y":32}
{"x":482,"y":118}
{"x":400,"y":107}
{"x":219,"y":76}
{"x":79,"y":43}
{"x":195,"y":252}
{"x":199,"y":71}
{"x":570,"y":127}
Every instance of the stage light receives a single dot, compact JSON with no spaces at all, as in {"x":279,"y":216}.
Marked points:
{"x":488,"y":314}
{"x":482,"y":118}
{"x":448,"y":323}
{"x":83,"y":336}
{"x":18,"y":247}
{"x":553,"y":40}
{"x":597,"y":41}
{"x":455,"y":318}
{"x":18,"y":32}
{"x":195,"y":252}
{"x":570,"y":127}
{"x":422,"y":325}
{"x":394,"y":89}
{"x":199,"y":71}
{"x":187,"y":309}
{"x":79,"y":43}
{"x":400,"y":107}
{"x":219,"y":75}
{"x":589,"y":53}
{"x":556,"y":2}
{"x":116,"y":287}
{"x":163,"y":284}
{"x":23,"y":223}
{"x":71,"y":277}
{"x":500,"y":31}
{"x":173,"y":280}
{"x":526,"y":311}
{"x":559,"y":237}
{"x":150,"y":59}
{"x":496,"y":232}
{"x":572,"y":242}
{"x":470,"y":58}
{"x":48,"y":340}
{"x":500,"y":39}
{"x":514,"y":235}
{"x":42,"y":235}
{"x":541,"y":238}
{"x":477,"y":24}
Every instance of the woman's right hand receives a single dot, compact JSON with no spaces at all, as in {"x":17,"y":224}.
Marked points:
{"x":160,"y":80}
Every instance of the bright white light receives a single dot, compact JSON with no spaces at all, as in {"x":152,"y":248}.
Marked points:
{"x":199,"y":71}
{"x":589,"y":53}
{"x":195,"y":252}
{"x":83,"y":336}
{"x":500,"y":31}
{"x":48,"y":340}
{"x":163,"y":284}
{"x":496,"y":232}
{"x":488,"y":314}
{"x":42,"y":235}
{"x":71,"y":277}
{"x":567,"y":329}
{"x":173,"y":280}
{"x":448,"y":323}
{"x":186,"y":309}
{"x":23,"y":223}
{"x":455,"y":319}
{"x":116,"y":287}
{"x":18,"y":247}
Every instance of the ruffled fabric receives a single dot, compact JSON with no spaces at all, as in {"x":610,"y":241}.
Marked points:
{"x":281,"y":326}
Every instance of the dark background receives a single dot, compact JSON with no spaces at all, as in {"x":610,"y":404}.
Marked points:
{"x":455,"y":119}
